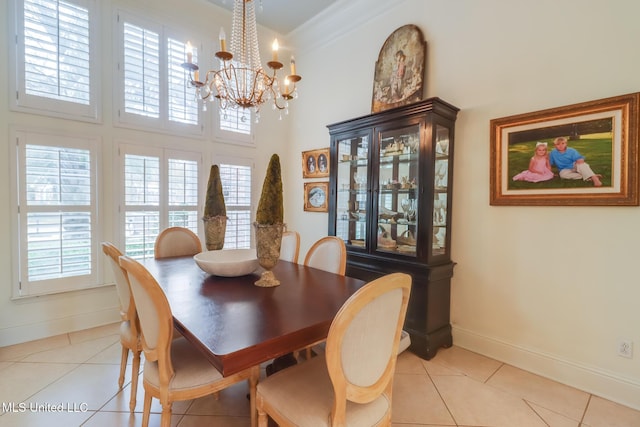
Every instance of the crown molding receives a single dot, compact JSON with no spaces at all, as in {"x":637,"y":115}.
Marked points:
{"x":339,"y":19}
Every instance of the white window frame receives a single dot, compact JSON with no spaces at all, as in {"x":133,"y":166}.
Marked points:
{"x":23,"y":102}
{"x":22,"y":287}
{"x":163,"y":208}
{"x":161,"y":124}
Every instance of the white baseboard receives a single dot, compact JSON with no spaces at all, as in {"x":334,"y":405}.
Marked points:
{"x":591,"y":379}
{"x":50,"y":328}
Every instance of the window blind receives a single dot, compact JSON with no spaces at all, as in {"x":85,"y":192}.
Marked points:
{"x":142,"y":204}
{"x":236,"y":187}
{"x":183,"y":107}
{"x":57,"y":218}
{"x":183,"y":193}
{"x":161,"y":189}
{"x":141,"y":71}
{"x":236,"y":120}
{"x":56,"y":50}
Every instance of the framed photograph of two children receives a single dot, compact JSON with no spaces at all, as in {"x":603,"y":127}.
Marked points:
{"x":579,"y":155}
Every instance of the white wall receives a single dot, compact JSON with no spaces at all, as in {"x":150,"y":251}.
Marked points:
{"x":31,"y":318}
{"x":520,"y":292}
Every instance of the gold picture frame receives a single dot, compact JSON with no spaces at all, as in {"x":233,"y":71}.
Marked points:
{"x":316,"y":196}
{"x":315,"y":163}
{"x":399,"y":72}
{"x":604,"y":132}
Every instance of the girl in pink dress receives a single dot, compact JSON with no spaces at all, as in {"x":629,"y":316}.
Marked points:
{"x":539,"y":167}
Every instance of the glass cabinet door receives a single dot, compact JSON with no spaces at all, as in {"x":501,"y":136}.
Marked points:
{"x":398,"y":174}
{"x":352,"y":190}
{"x":440,"y":188}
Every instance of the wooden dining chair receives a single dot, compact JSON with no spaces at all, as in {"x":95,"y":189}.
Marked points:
{"x":290,"y":246}
{"x":329,"y":254}
{"x":174,"y":370}
{"x":176,"y":241}
{"x":351,"y":384}
{"x":129,"y":328}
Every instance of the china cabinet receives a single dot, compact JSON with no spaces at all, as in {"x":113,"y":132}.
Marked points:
{"x":390,"y":201}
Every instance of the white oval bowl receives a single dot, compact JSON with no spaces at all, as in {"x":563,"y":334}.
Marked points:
{"x":228,"y":262}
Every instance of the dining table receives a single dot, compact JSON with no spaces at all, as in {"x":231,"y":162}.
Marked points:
{"x":238,"y":325}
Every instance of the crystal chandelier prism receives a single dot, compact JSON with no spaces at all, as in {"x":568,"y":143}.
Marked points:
{"x":241,"y":82}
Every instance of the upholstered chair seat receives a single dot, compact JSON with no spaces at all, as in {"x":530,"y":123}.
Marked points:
{"x":310,"y":383}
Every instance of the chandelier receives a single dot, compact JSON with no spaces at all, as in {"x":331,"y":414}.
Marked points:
{"x":241,"y":82}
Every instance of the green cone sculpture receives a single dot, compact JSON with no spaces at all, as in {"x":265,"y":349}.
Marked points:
{"x":269,"y":223}
{"x":271,"y":207}
{"x":215,"y":212}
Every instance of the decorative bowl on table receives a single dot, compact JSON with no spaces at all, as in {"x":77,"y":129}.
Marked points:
{"x":228,"y":262}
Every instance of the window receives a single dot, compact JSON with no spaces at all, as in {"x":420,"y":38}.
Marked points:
{"x":234,"y":126}
{"x":235,"y":120}
{"x":141,"y":71}
{"x":55,"y":206}
{"x":151,"y":79}
{"x":235,"y":123}
{"x":57,"y":70}
{"x":160,"y":189}
{"x":154,"y":94}
{"x":236,"y":187}
{"x":183,"y":108}
{"x":183,"y":193}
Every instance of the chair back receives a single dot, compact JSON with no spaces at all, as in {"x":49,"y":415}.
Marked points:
{"x":127,"y":307}
{"x":290,"y":246}
{"x":176,"y":241}
{"x":154,"y":313}
{"x":363,"y":340}
{"x":329,"y":254}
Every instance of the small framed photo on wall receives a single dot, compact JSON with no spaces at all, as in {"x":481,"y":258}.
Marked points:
{"x":316,"y":196}
{"x":315,"y":163}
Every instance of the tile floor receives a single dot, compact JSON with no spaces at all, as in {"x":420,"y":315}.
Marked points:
{"x":78,"y":373}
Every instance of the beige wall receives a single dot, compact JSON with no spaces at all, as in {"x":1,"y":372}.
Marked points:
{"x":549,"y":289}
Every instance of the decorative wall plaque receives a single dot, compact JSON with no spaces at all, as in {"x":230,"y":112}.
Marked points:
{"x":399,"y":75}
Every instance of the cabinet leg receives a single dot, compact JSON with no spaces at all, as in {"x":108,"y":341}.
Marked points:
{"x":426,"y":345}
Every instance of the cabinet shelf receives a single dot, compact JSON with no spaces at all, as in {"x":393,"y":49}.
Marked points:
{"x":387,"y":167}
{"x":407,"y":224}
{"x":403,"y":158}
{"x":398,"y":190}
{"x":353,"y":191}
{"x":354,"y":220}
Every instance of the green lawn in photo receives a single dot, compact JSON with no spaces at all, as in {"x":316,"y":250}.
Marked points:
{"x":596,"y":148}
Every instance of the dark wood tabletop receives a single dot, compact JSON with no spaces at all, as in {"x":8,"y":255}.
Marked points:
{"x":239,"y":325}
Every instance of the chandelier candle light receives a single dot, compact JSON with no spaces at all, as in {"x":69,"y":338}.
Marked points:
{"x":242,"y":82}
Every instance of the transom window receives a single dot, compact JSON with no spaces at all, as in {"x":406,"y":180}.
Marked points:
{"x":57,"y":69}
{"x":152,"y":82}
